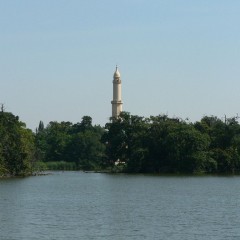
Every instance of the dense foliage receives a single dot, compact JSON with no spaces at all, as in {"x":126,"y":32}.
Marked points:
{"x":16,"y":146}
{"x":164,"y":145}
{"x":129,"y":143}
{"x":62,"y":143}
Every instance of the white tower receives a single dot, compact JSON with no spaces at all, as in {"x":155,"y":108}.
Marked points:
{"x":117,"y":94}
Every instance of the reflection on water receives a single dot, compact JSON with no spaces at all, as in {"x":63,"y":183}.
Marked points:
{"x":77,"y":205}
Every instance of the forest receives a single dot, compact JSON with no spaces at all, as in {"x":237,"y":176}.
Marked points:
{"x":129,"y":144}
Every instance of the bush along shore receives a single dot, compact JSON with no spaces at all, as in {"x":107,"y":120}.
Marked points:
{"x":129,"y":143}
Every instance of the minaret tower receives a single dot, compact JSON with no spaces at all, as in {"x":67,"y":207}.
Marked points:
{"x":117,"y":94}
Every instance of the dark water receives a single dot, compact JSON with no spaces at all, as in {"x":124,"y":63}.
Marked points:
{"x":76,"y":205}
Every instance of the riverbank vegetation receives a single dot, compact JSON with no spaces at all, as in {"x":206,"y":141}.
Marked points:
{"x":16,"y":146}
{"x":131,"y":143}
{"x":165,"y":145}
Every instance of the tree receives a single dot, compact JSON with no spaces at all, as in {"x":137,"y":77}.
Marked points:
{"x":73,"y":143}
{"x":124,"y":138}
{"x":57,"y":137}
{"x":16,"y":146}
{"x":86,"y":150}
{"x":224,"y":146}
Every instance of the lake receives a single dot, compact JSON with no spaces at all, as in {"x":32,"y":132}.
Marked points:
{"x":78,"y":205}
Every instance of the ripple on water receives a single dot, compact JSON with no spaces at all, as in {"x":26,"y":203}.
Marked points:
{"x":75,"y":205}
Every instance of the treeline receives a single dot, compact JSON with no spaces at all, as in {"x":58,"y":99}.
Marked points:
{"x":165,"y":145}
{"x":58,"y":146}
{"x":68,"y":146}
{"x":130,"y":143}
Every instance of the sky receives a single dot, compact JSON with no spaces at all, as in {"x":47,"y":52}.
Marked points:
{"x":176,"y":57}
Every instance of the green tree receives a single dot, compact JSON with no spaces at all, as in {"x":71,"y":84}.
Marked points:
{"x":57,"y":138}
{"x":16,"y":146}
{"x":224,"y":147}
{"x":73,"y":143}
{"x":86,"y":150}
{"x":124,"y":139}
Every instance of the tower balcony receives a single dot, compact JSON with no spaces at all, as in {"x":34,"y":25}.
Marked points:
{"x":116,"y":102}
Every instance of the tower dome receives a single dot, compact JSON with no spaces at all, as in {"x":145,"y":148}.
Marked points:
{"x":116,"y":73}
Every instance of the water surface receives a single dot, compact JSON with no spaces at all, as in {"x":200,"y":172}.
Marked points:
{"x":77,"y":205}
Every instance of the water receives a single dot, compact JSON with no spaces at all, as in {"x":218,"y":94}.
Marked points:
{"x":76,"y":205}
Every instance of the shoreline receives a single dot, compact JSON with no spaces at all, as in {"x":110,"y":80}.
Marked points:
{"x":106,"y":171}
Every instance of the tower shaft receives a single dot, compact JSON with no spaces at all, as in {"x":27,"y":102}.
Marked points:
{"x":117,"y":94}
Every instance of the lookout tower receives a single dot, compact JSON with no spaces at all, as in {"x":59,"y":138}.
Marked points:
{"x":117,"y":94}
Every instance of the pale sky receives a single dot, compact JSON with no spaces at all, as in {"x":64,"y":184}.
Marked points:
{"x":176,"y":57}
